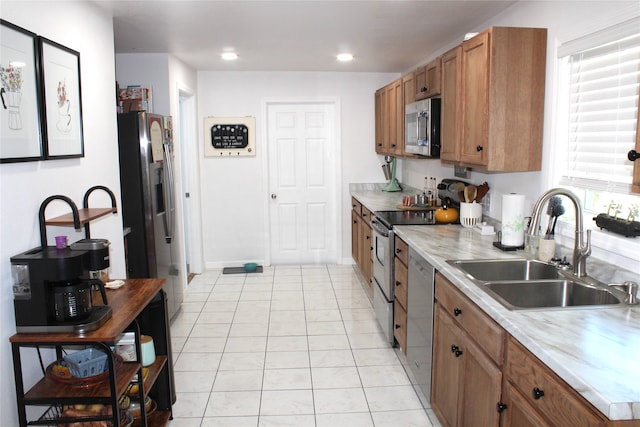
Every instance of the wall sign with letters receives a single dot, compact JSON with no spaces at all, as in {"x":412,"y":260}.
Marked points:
{"x":229,"y":136}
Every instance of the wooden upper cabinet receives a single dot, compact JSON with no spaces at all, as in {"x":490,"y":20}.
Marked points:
{"x":451,"y":105}
{"x":427,"y":80}
{"x":501,"y":100}
{"x":475,"y":97}
{"x":389,"y":112}
{"x":381,"y":129}
{"x":396,"y":118}
{"x":409,"y":88}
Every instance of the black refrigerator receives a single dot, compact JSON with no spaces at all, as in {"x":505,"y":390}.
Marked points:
{"x":148,"y":200}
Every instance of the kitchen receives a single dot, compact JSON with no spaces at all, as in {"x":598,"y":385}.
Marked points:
{"x":359,"y":162}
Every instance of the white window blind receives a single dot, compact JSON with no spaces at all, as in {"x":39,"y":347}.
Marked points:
{"x":602,"y":102}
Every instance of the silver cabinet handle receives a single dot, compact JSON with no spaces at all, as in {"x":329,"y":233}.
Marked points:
{"x":274,"y":196}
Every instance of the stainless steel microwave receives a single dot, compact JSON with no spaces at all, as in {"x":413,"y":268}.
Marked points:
{"x":422,"y":128}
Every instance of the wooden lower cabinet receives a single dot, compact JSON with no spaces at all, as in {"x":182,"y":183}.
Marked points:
{"x":366,"y":248}
{"x":355,"y":235}
{"x":361,"y":240}
{"x":516,"y":410}
{"x":400,"y":325}
{"x":542,"y":394}
{"x":482,"y":376}
{"x":466,"y":384}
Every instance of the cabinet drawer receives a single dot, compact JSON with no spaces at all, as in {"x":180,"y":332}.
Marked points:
{"x":366,"y":215}
{"x":400,"y":325}
{"x":401,"y":277}
{"x":487,"y":334}
{"x":356,"y":206}
{"x":559,"y":403}
{"x":402,"y":251}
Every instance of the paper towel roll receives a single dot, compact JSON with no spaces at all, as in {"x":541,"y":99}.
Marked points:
{"x":512,"y":220}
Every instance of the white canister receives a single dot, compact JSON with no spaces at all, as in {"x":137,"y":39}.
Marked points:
{"x":512,"y":230}
{"x":470,"y":214}
{"x":148,"y":350}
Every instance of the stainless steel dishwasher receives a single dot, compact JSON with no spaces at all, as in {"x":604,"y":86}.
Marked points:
{"x":420,"y":324}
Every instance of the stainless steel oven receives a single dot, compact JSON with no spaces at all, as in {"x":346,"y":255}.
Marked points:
{"x":383,"y":260}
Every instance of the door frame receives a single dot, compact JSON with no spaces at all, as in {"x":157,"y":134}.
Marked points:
{"x":336,"y":148}
{"x":191,"y":221}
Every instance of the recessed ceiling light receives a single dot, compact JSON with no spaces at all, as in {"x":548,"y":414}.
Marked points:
{"x":229,"y":56}
{"x":344,"y":57}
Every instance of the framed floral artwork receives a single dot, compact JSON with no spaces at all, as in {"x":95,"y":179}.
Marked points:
{"x":62,"y":101}
{"x":21,"y":138}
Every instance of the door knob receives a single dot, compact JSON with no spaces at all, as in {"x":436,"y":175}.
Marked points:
{"x":274,"y":196}
{"x":633,"y":155}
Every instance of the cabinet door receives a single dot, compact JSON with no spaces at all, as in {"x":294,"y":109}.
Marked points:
{"x":401,"y":276}
{"x":475,"y":94}
{"x":409,"y":88}
{"x":400,"y":325}
{"x":366,"y":266}
{"x":517,"y":412}
{"x":433,"y":75}
{"x":380,"y":111}
{"x":420,"y":84}
{"x":396,"y":118}
{"x":482,"y":386}
{"x":451,"y":105}
{"x":446,"y":372}
{"x":546,"y":392}
{"x":355,"y":236}
{"x":428,"y":80}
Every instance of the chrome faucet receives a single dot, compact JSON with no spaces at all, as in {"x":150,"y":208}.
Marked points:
{"x":581,"y":248}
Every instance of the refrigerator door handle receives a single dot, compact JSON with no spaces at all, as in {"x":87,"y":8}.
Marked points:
{"x":169,"y":193}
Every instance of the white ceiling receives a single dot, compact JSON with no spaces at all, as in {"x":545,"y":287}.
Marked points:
{"x":302,"y":35}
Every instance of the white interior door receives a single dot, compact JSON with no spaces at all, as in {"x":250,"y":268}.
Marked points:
{"x":302,"y":151}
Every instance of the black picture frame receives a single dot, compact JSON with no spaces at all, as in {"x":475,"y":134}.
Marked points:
{"x":21,"y":136}
{"x":61,"y":100}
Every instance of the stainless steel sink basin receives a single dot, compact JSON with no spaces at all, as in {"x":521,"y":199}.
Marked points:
{"x":524,"y":284}
{"x":549,"y":294}
{"x":495,"y":270}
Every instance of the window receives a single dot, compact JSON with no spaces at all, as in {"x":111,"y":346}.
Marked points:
{"x":598,"y":120}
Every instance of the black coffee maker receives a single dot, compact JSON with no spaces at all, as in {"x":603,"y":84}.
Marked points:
{"x":52,"y":290}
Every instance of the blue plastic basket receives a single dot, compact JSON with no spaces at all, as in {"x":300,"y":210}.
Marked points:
{"x":87,"y":363}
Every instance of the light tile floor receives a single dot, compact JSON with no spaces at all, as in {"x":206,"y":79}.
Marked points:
{"x":292,"y":346}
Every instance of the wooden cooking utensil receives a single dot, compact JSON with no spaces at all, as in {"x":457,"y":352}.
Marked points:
{"x":470,"y":193}
{"x":483,"y":189}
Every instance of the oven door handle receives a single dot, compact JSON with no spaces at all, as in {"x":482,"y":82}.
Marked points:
{"x":379,"y":228}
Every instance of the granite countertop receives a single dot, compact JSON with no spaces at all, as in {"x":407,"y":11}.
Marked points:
{"x":594,"y":350}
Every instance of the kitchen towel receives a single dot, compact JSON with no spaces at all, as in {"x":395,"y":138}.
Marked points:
{"x":512,"y":220}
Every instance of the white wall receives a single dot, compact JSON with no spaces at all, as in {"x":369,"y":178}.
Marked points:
{"x":565,"y":21}
{"x":24,"y":186}
{"x":235,"y":190}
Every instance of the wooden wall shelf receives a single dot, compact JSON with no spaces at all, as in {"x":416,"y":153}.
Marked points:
{"x":86,"y":215}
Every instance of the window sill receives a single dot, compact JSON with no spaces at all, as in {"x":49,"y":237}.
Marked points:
{"x":609,"y":247}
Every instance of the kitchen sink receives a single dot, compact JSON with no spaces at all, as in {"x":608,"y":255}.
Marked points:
{"x":524,"y":284}
{"x":494,"y":270}
{"x":537,"y":294}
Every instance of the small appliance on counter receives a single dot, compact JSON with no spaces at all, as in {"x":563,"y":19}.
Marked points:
{"x":52,"y":289}
{"x":97,"y":256}
{"x":389,"y":170}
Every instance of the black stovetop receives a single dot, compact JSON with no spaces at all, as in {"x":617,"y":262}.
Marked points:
{"x":421,"y":217}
